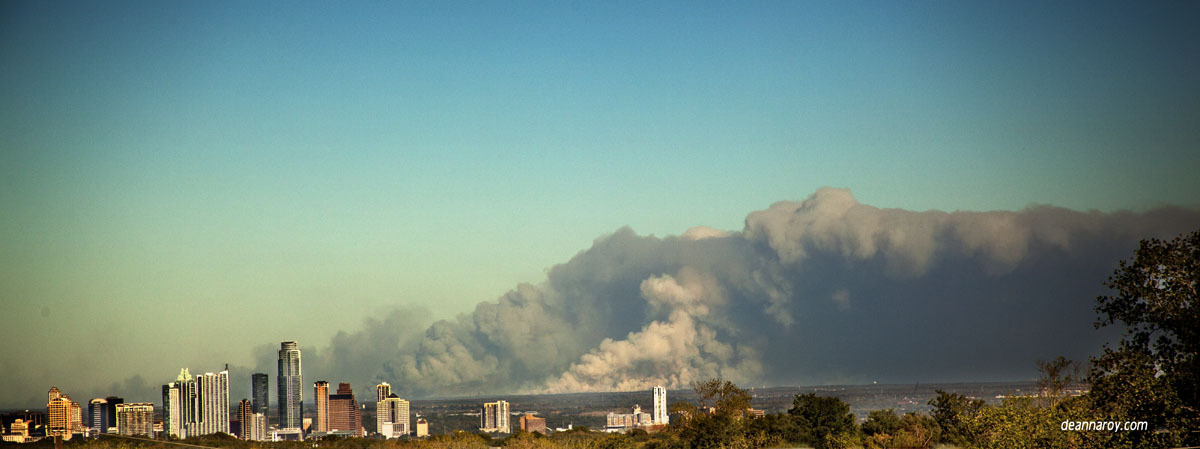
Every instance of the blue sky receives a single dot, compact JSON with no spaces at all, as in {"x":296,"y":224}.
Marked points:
{"x":257,"y":163}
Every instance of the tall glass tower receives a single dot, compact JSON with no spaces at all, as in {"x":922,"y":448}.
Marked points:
{"x":289,"y":380}
{"x":259,"y":385}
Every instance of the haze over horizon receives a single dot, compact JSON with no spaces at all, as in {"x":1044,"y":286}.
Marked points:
{"x":186,"y":185}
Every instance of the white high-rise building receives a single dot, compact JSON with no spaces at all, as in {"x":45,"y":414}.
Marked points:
{"x":213,"y":397}
{"x":495,"y":417}
{"x":391,"y":417}
{"x":173,"y":423}
{"x":660,"y":405}
{"x":194,"y":406}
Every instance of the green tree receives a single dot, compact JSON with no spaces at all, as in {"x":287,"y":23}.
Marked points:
{"x":881,"y":421}
{"x":954,"y":414}
{"x":825,"y":420}
{"x":1151,"y":375}
{"x":722,"y":396}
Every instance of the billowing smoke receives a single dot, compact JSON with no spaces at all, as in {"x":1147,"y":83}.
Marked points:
{"x":821,"y":291}
{"x":826,"y":290}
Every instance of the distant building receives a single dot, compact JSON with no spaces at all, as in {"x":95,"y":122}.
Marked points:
{"x":755,"y":413}
{"x":97,"y":419}
{"x":61,"y":417}
{"x":391,"y":417}
{"x":321,"y":397}
{"x":136,"y":419}
{"x":494,"y":417}
{"x":660,"y":405}
{"x":18,"y":432}
{"x":172,"y":410}
{"x":343,"y":411}
{"x":383,"y":391}
{"x":621,"y":421}
{"x":194,"y":406}
{"x":112,"y":412}
{"x":530,"y":423}
{"x":213,"y":399}
{"x":290,"y":383}
{"x":422,"y":427}
{"x":252,"y":426}
{"x":259,"y":397}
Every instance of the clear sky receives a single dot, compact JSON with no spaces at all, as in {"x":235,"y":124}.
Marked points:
{"x":170,"y":170}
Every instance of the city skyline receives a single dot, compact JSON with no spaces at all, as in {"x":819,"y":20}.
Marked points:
{"x":483,"y":199}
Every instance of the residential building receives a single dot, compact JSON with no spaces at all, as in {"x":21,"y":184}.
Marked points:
{"x":494,"y":417}
{"x":259,"y":386}
{"x":18,"y":432}
{"x":289,"y":382}
{"x":660,"y":405}
{"x":173,"y":425}
{"x":213,"y":400}
{"x":252,"y":425}
{"x":135,"y":418}
{"x":321,"y":396}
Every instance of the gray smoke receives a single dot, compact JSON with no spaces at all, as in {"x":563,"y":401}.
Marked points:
{"x":821,"y":291}
{"x":826,"y":290}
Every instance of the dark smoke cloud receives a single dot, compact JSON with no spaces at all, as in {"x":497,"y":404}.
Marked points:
{"x":821,"y":291}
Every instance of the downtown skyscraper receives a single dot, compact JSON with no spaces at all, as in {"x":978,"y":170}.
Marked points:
{"x":259,"y":397}
{"x":197,"y":405}
{"x":290,"y":383}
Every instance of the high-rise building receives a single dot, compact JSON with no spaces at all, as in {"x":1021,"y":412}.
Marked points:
{"x":112,"y":411}
{"x":135,"y":418}
{"x":194,"y":406}
{"x":253,"y":426}
{"x":383,"y":391}
{"x":60,"y":414}
{"x":259,"y":386}
{"x":213,"y":397}
{"x":494,"y":417}
{"x":391,"y":417}
{"x":343,"y":411}
{"x":98,"y":415}
{"x":660,"y":405}
{"x":173,"y":425}
{"x":291,"y":398}
{"x":321,"y":397}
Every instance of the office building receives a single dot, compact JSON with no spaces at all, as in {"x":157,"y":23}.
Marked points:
{"x":391,"y":417}
{"x":290,"y":384}
{"x":321,"y":397}
{"x":135,"y":418}
{"x":383,"y":391}
{"x":494,"y":417}
{"x":112,"y":412}
{"x":422,"y":427}
{"x":259,"y":388}
{"x":660,"y":405}
{"x":194,"y":406}
{"x":530,"y":423}
{"x":97,"y":419}
{"x":343,"y":411}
